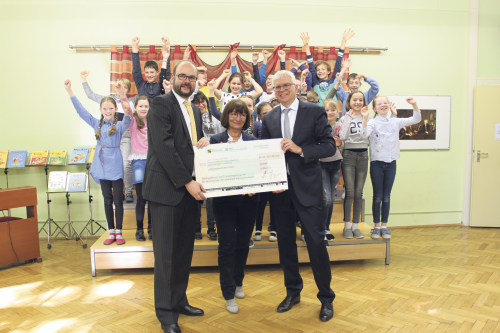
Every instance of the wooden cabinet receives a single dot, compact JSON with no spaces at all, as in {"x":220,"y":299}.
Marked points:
{"x":20,"y":234}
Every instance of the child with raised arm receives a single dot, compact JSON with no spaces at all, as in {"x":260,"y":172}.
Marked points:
{"x":235,"y":83}
{"x":330,"y":167}
{"x":139,"y":152}
{"x":107,"y":167}
{"x":151,"y":87}
{"x":383,"y":131}
{"x":355,"y":162}
{"x":125,"y":142}
{"x":247,"y":85}
{"x":320,"y":71}
{"x":354,"y":82}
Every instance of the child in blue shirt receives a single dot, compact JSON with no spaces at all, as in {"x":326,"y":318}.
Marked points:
{"x":321,"y":70}
{"x":354,"y":83}
{"x":107,"y":166}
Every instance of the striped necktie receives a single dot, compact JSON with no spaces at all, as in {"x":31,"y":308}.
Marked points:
{"x":194,"y":135}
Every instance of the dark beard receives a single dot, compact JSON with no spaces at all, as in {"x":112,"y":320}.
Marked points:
{"x":177,"y":89}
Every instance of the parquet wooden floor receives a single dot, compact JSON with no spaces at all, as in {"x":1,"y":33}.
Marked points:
{"x":442,"y":279}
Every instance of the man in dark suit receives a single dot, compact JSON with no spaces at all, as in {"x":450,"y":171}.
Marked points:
{"x":174,"y":127}
{"x":307,"y":137}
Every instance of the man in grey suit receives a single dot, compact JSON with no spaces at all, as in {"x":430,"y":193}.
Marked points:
{"x":174,"y":127}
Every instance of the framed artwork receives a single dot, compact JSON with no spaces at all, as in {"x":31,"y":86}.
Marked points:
{"x":433,"y":131}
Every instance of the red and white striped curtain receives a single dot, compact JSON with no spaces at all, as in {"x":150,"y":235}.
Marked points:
{"x":121,"y":62}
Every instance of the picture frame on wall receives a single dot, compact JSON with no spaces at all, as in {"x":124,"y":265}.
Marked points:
{"x":433,"y":131}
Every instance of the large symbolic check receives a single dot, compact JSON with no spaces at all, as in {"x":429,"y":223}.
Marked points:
{"x":240,"y":168}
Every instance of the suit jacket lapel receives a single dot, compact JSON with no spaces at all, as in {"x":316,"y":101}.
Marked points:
{"x":181,"y":115}
{"x":301,"y":115}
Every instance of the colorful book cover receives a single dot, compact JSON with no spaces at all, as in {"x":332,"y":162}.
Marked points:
{"x":77,"y":182}
{"x":91,"y":157}
{"x":57,"y":181}
{"x":4,"y":155}
{"x":57,"y":157}
{"x":38,"y":158}
{"x":79,"y":156}
{"x":17,"y":159}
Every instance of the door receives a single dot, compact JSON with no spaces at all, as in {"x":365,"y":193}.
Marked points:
{"x":485,"y":194}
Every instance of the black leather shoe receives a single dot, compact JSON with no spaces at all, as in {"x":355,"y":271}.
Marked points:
{"x":326,"y":312}
{"x":189,"y":310}
{"x":287,"y":303}
{"x":172,"y":328}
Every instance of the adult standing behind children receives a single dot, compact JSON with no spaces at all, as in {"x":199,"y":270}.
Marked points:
{"x":174,"y":127}
{"x":304,"y":144}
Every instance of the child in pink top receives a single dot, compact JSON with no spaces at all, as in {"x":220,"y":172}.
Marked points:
{"x":138,"y":155}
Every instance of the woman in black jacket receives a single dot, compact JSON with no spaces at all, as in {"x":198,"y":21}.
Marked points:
{"x":235,"y":214}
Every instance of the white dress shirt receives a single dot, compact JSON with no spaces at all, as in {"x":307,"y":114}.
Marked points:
{"x":292,"y":115}
{"x":186,"y":117}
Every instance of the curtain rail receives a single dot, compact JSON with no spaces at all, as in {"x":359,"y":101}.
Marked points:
{"x":215,"y":48}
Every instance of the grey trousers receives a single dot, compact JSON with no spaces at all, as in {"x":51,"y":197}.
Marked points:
{"x":125,"y":148}
{"x":354,"y":171}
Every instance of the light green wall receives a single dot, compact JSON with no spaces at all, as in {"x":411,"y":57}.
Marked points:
{"x":488,"y":65}
{"x":427,"y":56}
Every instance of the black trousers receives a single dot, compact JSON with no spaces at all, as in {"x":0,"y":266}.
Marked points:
{"x":173,"y":241}
{"x":140,"y":208}
{"x":112,"y":191}
{"x":235,"y":218}
{"x":284,"y":205}
{"x":261,"y":207}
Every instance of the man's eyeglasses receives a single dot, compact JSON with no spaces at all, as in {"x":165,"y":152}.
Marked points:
{"x":183,"y":77}
{"x":285,"y":86}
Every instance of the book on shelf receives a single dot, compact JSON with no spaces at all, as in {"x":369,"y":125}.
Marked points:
{"x":63,"y":181}
{"x":57,"y":157}
{"x":77,"y":182}
{"x":57,"y":181}
{"x":17,"y":159}
{"x":91,"y":155}
{"x":39,"y":158}
{"x":79,"y":156}
{"x":4,"y":155}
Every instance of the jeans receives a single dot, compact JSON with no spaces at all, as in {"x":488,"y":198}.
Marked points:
{"x":331,"y":174}
{"x":382,"y":175}
{"x":125,"y":147}
{"x":138,"y":170}
{"x":354,"y":171}
{"x":140,"y":208}
{"x":210,"y":215}
{"x":235,"y":219}
{"x":259,"y":215}
{"x":112,"y":191}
